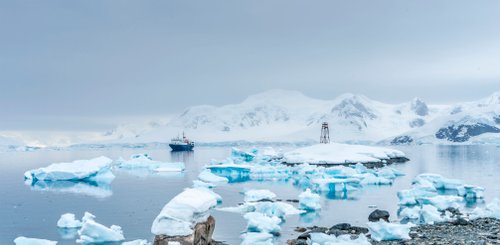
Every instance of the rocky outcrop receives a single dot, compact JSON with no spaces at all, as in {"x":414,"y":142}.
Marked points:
{"x":202,"y":235}
{"x":463,"y":132}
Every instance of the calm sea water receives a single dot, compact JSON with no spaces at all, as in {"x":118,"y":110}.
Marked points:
{"x":133,"y":199}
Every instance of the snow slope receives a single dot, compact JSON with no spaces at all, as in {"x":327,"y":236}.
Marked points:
{"x":290,"y":116}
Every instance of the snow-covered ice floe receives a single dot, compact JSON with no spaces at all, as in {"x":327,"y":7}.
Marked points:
{"x":324,"y":239}
{"x":335,"y":153}
{"x":208,"y":176}
{"x":383,"y":231}
{"x":145,"y":162}
{"x":259,"y":222}
{"x":33,"y":241}
{"x":93,"y":232}
{"x":179,"y":216}
{"x":96,"y":170}
{"x":258,"y":195}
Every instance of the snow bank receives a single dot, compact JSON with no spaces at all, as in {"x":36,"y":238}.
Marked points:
{"x":33,"y":241}
{"x":309,"y":201}
{"x":258,"y":195}
{"x":335,"y":153}
{"x":144,"y":161}
{"x":93,"y":232}
{"x":384,"y":231}
{"x":96,"y":169}
{"x":178,"y":217}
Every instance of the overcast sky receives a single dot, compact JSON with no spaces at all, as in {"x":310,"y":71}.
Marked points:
{"x":87,"y":59}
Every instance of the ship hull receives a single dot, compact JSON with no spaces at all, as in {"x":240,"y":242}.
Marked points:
{"x":176,"y":147}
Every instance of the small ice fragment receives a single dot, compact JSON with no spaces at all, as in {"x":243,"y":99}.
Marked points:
{"x":254,"y":238}
{"x":32,"y":241}
{"x":93,"y":232}
{"x":68,"y":220}
{"x":384,"y":231}
{"x":309,"y":201}
{"x":258,"y":195}
{"x":207,"y":176}
{"x":258,"y":222}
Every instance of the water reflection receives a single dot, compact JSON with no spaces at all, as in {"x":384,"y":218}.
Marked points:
{"x":88,"y":188}
{"x":182,"y":156}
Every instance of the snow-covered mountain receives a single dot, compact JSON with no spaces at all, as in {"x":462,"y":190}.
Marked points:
{"x":290,"y":116}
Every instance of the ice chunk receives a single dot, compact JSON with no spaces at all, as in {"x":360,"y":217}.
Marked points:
{"x":68,"y":220}
{"x":199,"y":183}
{"x":143,"y":161}
{"x":178,"y":217}
{"x":471,"y":192}
{"x":32,"y":241}
{"x":409,"y":197}
{"x":245,"y":156}
{"x":438,"y":181}
{"x":258,"y":195}
{"x":427,"y":214}
{"x":371,"y":179}
{"x":233,"y":172}
{"x":309,"y":201}
{"x":384,"y":231}
{"x":137,"y":242}
{"x":259,"y":222}
{"x":442,"y":202}
{"x":324,"y":239}
{"x":257,"y":238}
{"x":335,"y":153}
{"x":208,"y":176}
{"x":491,"y":209}
{"x":93,"y":232}
{"x":96,"y":169}
{"x":336,"y":184}
{"x":278,"y":209}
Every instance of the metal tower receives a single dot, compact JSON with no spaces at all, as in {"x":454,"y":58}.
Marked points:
{"x":325,"y":134}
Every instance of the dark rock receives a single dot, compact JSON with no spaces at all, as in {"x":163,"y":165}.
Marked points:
{"x":453,"y":211}
{"x":341,"y":226}
{"x":463,"y":132}
{"x":292,"y":200}
{"x":402,"y":140}
{"x":300,"y":229}
{"x":378,"y":215}
{"x":460,"y":221}
{"x":202,"y":235}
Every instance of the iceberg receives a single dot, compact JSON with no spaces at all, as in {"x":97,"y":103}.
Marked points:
{"x":324,"y":239}
{"x":245,"y":156}
{"x":68,"y":221}
{"x":426,"y":214}
{"x":471,"y":192}
{"x":207,"y":176}
{"x":409,"y":197}
{"x":144,"y":161}
{"x":258,"y":195}
{"x":180,"y":215}
{"x":257,"y":238}
{"x":201,"y":184}
{"x":384,"y":231}
{"x":438,"y":181}
{"x":259,"y":222}
{"x":278,"y":209}
{"x":32,"y":241}
{"x":309,"y":201}
{"x":441,"y":202}
{"x":335,"y":153}
{"x":336,"y":184}
{"x":96,"y":169}
{"x":93,"y":232}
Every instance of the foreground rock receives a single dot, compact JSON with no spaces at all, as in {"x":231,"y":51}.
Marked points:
{"x":477,"y":231}
{"x":202,"y":235}
{"x":379,"y":215}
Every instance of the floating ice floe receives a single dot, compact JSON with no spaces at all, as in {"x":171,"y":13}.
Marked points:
{"x":335,"y":153}
{"x":96,"y":169}
{"x":201,"y":184}
{"x":93,"y":232}
{"x":259,"y":222}
{"x":180,"y":215}
{"x":257,"y":238}
{"x":68,"y":221}
{"x":33,"y":241}
{"x":309,"y":201}
{"x":384,"y":231}
{"x":207,"y":176}
{"x":138,"y":242}
{"x":245,"y":156}
{"x":324,"y":239}
{"x":258,"y":195}
{"x":143,"y":161}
